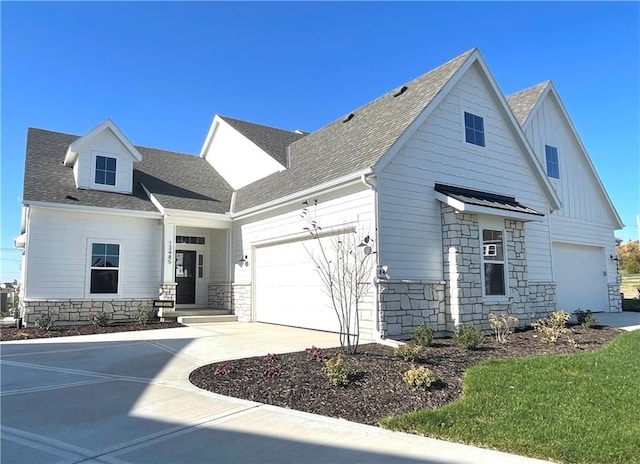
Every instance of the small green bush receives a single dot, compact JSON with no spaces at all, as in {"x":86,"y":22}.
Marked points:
{"x":45,"y":321}
{"x":631,"y":304}
{"x":142,"y":316}
{"x":502,"y":326}
{"x":100,"y":319}
{"x":586,"y":318}
{"x":553,"y":327}
{"x":419,"y":378}
{"x":337,"y":371}
{"x":423,"y":335}
{"x":408,"y":352}
{"x":469,"y":337}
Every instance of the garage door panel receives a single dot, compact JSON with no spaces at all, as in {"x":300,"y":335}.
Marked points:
{"x":579,"y":274}
{"x":288,"y":289}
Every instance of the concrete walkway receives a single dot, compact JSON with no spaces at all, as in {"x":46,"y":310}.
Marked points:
{"x":126,"y":397}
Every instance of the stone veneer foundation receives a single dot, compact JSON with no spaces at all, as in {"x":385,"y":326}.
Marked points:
{"x":220,"y":296}
{"x":615,"y":299}
{"x":241,"y":302}
{"x":81,"y":310}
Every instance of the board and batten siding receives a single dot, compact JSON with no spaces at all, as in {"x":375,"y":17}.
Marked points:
{"x":352,"y":206}
{"x":59,"y":253}
{"x":104,"y":144}
{"x":585,"y":216}
{"x":409,"y":214}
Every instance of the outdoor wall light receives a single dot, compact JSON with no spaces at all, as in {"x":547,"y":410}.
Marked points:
{"x":244,"y":261}
{"x":613,"y":257}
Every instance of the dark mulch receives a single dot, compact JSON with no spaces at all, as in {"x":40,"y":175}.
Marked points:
{"x":12,"y":333}
{"x":377,"y":388}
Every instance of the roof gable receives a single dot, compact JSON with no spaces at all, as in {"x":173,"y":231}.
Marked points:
{"x":545,"y":91}
{"x":352,"y":144}
{"x":523,"y":103}
{"x":107,"y":124}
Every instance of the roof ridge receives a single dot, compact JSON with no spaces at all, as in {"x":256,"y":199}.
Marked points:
{"x":227,"y":118}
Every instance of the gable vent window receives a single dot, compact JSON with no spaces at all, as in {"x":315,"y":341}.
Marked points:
{"x":474,"y":129}
{"x":553,"y":168}
{"x":105,"y":170}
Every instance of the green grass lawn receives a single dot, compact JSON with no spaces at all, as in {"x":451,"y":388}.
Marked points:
{"x":582,"y":408}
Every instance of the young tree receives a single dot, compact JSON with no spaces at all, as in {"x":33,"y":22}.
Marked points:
{"x":344,"y":262}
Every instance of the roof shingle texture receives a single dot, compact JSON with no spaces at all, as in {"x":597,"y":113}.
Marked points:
{"x":178,"y":181}
{"x":523,"y":102}
{"x":273,"y":141}
{"x":344,"y":148}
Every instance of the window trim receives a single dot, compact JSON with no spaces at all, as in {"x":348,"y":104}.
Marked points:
{"x":94,"y":163}
{"x":90,"y":268}
{"x":464,"y":128}
{"x":504,"y":262}
{"x":556,"y":161}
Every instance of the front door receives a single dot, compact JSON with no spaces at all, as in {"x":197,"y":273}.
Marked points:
{"x":186,"y":277}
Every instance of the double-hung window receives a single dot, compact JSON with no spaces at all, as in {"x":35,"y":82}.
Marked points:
{"x":105,"y":267}
{"x":105,"y":170}
{"x":474,"y":129}
{"x":493,"y":262}
{"x":553,"y":168}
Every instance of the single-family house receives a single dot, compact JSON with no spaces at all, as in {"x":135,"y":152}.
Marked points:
{"x":476,"y":203}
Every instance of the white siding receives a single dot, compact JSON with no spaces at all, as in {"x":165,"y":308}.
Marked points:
{"x":238,"y":159}
{"x":58,"y":261}
{"x":577,"y":187}
{"x":219,"y":255}
{"x":104,"y":144}
{"x":409,"y":214}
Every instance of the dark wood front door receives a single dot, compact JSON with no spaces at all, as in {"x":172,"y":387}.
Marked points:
{"x":186,"y":277}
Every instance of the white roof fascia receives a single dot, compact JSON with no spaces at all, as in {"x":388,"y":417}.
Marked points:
{"x":74,"y":148}
{"x":153,"y":199}
{"x":212,"y":130}
{"x":320,"y":189}
{"x":551,"y":89}
{"x":200,"y":219}
{"x":95,"y":209}
{"x":476,"y":209}
{"x":422,"y":117}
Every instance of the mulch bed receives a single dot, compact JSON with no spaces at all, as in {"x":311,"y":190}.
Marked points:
{"x":12,"y":333}
{"x":376,"y":388}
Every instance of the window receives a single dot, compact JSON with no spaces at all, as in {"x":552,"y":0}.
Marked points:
{"x":191,"y":240}
{"x":553,"y":169}
{"x":493,"y":262}
{"x":474,"y":129}
{"x":105,"y":170}
{"x":200,"y":266}
{"x":105,"y":267}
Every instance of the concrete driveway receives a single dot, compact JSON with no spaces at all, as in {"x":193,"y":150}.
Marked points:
{"x":126,"y":398}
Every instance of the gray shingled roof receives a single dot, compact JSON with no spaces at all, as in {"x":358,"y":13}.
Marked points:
{"x":273,"y":141}
{"x":178,"y":181}
{"x":343,"y":148}
{"x":523,"y":102}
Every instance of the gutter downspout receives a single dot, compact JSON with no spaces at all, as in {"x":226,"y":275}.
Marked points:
{"x":369,"y":182}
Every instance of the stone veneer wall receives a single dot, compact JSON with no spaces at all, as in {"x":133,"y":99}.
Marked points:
{"x":168,"y":291}
{"x":615,"y":299}
{"x":407,"y":304}
{"x":542,"y":300}
{"x":241,"y":302}
{"x":220,"y":296}
{"x":80,"y":310}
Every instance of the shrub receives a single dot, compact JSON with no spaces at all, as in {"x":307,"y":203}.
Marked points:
{"x":502,"y":326}
{"x":337,"y":370}
{"x":408,"y":352}
{"x":469,"y":337}
{"x":100,"y":319}
{"x":553,"y":327}
{"x":630,"y":304}
{"x":142,"y":316}
{"x":419,"y":378}
{"x":272,"y":372}
{"x":423,"y":335}
{"x":632,"y":267}
{"x":314,"y":354}
{"x":45,"y":321}
{"x":585,"y":318}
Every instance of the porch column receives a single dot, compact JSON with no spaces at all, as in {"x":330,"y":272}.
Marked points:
{"x":168,"y":287}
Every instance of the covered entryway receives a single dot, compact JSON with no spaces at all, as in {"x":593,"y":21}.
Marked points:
{"x":288,"y":290}
{"x":580,"y":275}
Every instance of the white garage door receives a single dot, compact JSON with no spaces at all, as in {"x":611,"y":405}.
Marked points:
{"x":579,"y":274}
{"x":288,"y":290}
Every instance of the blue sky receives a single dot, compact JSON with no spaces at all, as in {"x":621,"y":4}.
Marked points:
{"x":162,"y":70}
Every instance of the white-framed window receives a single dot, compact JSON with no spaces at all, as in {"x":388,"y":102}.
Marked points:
{"x":105,"y":172}
{"x":474,"y":129}
{"x":553,"y":168}
{"x":494,"y":278}
{"x":104,"y":268}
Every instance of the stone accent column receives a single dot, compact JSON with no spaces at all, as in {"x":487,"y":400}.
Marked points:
{"x":615,"y":299}
{"x":220,"y":296}
{"x":241,"y":302}
{"x":517,"y":267}
{"x":168,"y":291}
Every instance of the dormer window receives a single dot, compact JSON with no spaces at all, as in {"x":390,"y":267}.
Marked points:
{"x":105,"y":170}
